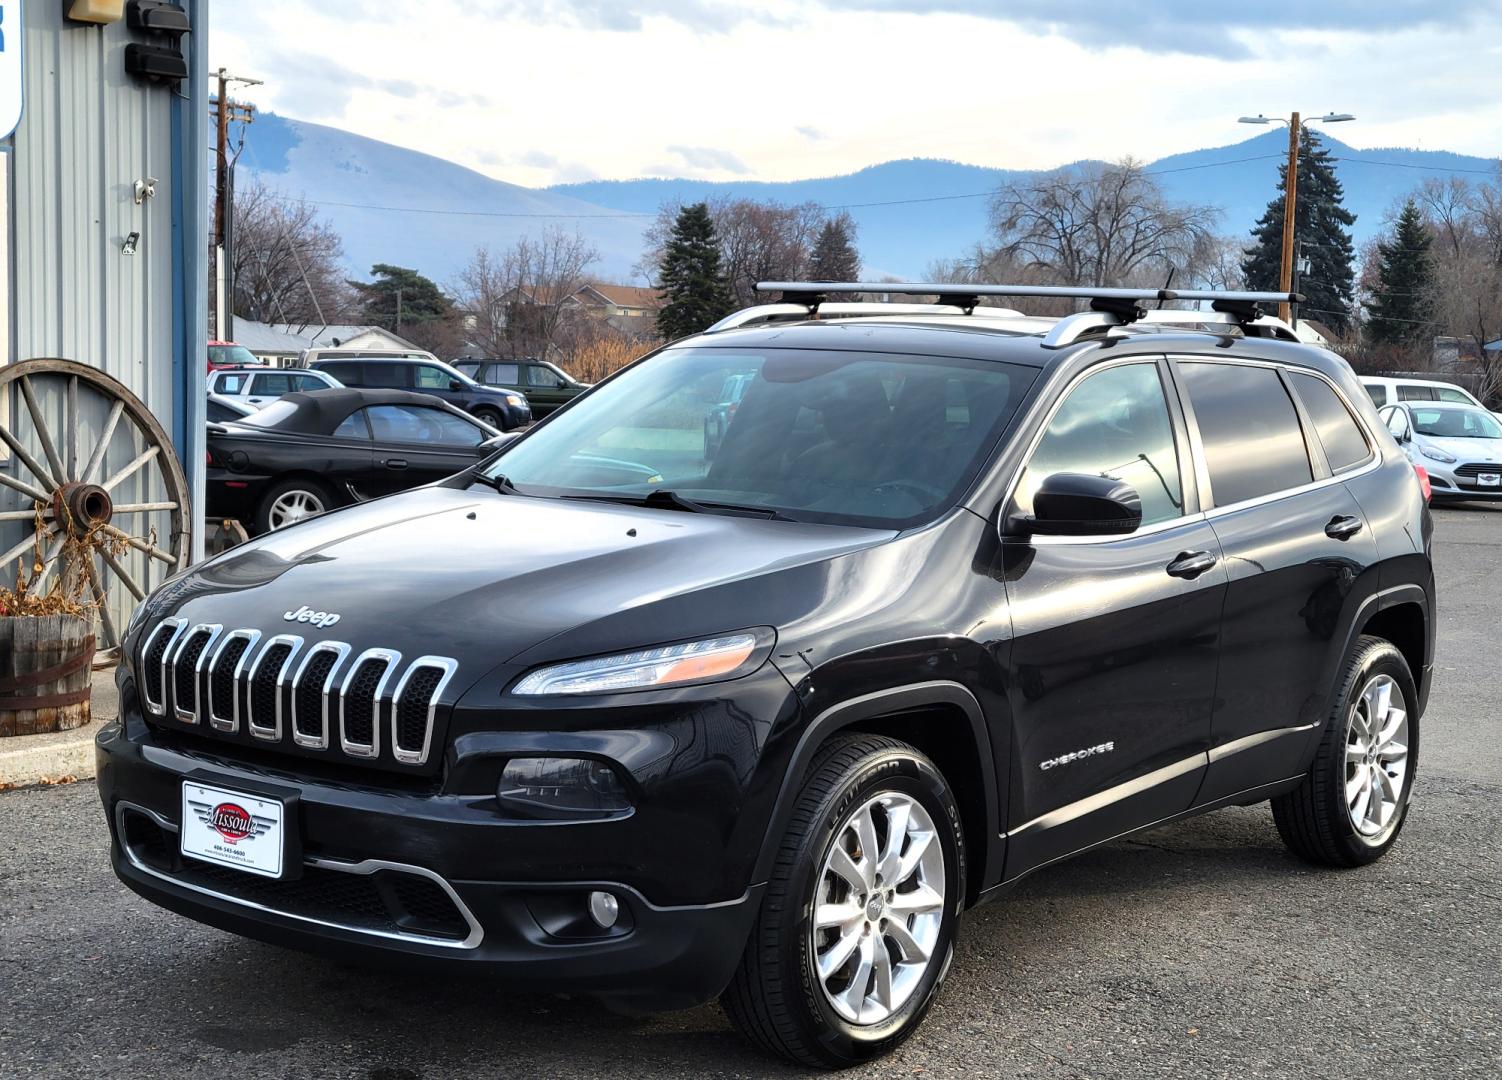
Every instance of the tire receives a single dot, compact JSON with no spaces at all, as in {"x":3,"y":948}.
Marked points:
{"x":282,"y":497}
{"x":778,"y":998}
{"x":493,"y":418}
{"x":1317,"y":820}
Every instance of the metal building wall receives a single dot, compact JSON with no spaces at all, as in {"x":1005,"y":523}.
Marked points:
{"x":87,"y":133}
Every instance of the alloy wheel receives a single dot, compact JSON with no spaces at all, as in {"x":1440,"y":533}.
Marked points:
{"x":1376,"y":758}
{"x":878,"y":908}
{"x":293,"y":506}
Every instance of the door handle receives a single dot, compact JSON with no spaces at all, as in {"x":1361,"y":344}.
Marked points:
{"x":1343,"y":527}
{"x":1191,"y":564}
{"x":395,"y":463}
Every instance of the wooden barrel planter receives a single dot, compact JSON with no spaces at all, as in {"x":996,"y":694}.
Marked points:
{"x":45,"y":673}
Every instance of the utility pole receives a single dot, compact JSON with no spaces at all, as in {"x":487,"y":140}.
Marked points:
{"x":1290,"y":208}
{"x":1291,"y":193}
{"x":225,"y":110}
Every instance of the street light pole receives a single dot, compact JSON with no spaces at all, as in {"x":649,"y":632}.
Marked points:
{"x":1291,"y":193}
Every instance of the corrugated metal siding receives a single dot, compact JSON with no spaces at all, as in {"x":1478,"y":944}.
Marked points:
{"x":87,"y":134}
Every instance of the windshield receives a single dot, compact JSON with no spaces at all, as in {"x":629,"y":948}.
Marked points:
{"x":840,"y":437}
{"x":1456,"y":423}
{"x":232,"y":354}
{"x":272,"y":415}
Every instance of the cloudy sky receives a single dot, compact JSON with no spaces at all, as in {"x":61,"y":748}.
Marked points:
{"x":545,"y":91}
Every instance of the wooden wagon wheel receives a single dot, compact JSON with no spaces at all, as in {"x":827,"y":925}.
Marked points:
{"x":107,"y":489}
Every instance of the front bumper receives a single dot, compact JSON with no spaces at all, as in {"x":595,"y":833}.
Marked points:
{"x":413,"y":906}
{"x":1447,"y":482}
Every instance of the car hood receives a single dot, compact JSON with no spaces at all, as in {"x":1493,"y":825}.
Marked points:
{"x":1465,"y":450}
{"x":479,"y":576}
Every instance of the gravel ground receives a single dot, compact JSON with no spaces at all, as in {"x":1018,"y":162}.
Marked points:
{"x":1200,"y":950}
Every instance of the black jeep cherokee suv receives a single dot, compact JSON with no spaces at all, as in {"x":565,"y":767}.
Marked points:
{"x":958,"y":593}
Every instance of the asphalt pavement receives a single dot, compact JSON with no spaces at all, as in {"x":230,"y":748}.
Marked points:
{"x":1201,"y":950}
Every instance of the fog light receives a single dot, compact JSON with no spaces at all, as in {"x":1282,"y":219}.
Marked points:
{"x":560,"y":787}
{"x":604,"y":909}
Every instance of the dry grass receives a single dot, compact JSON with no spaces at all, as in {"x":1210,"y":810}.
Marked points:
{"x":70,"y":591}
{"x":601,"y":356}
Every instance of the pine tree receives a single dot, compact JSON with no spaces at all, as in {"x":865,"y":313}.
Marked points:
{"x":1400,"y":307}
{"x":400,"y":299}
{"x":695,"y":292}
{"x":1322,"y":225}
{"x":835,"y":257}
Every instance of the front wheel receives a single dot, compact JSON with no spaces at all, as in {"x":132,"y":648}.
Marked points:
{"x":492,"y":417}
{"x":1351,"y":806}
{"x":856,"y":928}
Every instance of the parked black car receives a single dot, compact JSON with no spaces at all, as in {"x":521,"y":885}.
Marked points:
{"x":547,"y":386}
{"x":307,"y":453}
{"x":956,"y":594}
{"x":502,"y":409}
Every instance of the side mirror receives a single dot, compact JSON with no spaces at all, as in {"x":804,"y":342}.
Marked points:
{"x":455,"y":384}
{"x":1078,"y":504}
{"x":494,"y":443}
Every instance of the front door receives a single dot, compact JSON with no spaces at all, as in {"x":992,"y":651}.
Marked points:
{"x":545,"y":389}
{"x":1115,"y":639}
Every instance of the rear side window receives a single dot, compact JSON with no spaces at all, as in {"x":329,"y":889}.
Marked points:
{"x":1415,"y":393}
{"x":1378,"y":394}
{"x":350,"y":374}
{"x":1338,"y":431}
{"x":502,"y":374}
{"x":381,"y":374}
{"x":1254,"y":445}
{"x":231,"y":384}
{"x":354,"y":426}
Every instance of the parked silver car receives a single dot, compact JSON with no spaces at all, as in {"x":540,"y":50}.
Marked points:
{"x":1460,"y":446}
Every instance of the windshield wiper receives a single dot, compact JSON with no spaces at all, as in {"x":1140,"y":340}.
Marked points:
{"x":664,"y":499}
{"x":496,"y":483}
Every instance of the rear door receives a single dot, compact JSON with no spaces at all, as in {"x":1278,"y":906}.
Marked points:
{"x":267,"y":386}
{"x":1298,"y":551}
{"x":416,"y":444}
{"x":1115,"y":639}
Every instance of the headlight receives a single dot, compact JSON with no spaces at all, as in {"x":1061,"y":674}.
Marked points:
{"x":515,"y":400}
{"x":541,"y":787}
{"x":1437,"y":454}
{"x":665,"y":666}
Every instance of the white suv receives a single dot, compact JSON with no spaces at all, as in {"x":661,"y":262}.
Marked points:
{"x":1385,"y":391}
{"x":259,"y":386}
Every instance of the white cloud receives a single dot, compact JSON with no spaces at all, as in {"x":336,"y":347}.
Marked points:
{"x":543,"y":91}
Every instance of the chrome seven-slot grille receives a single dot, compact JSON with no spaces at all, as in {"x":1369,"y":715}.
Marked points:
{"x":317,"y":697}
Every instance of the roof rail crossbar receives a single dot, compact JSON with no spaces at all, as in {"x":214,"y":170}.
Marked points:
{"x":766,"y":313}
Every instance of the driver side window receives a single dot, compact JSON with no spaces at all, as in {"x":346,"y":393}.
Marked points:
{"x":1397,"y":423}
{"x":1116,"y":423}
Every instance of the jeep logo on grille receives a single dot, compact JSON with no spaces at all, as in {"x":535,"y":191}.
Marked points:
{"x":321,"y":619}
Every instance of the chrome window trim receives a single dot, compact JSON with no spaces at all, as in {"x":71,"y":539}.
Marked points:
{"x":1197,"y":450}
{"x":368,"y":866}
{"x":1153,"y":359}
{"x":233,"y":723}
{"x":1102,"y":799}
{"x":373,"y":749}
{"x":341,"y":651}
{"x":190,"y":716}
{"x":273,"y":733}
{"x":176,"y":625}
{"x":449,"y":667}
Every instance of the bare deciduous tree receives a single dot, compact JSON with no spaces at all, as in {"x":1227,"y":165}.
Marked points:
{"x":288,"y":262}
{"x":514,"y":301}
{"x":1104,"y":225}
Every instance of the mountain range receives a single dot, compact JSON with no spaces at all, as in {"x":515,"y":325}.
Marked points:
{"x":395,"y":205}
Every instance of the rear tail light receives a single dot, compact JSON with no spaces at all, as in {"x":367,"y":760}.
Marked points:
{"x":1423,"y":475}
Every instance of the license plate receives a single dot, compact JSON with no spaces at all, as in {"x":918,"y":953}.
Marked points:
{"x":233,"y":828}
{"x":1489,"y":479}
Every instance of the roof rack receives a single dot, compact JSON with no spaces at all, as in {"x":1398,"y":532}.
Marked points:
{"x":1109,"y":307}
